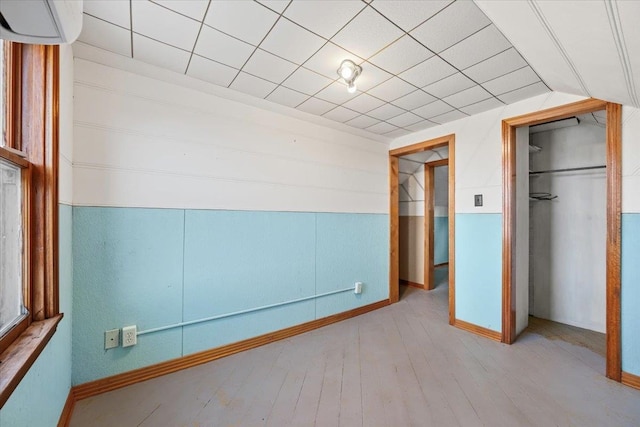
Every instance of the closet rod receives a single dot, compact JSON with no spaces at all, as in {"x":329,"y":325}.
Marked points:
{"x":567,"y":170}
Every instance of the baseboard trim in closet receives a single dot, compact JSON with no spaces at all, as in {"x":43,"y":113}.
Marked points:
{"x":124,"y":379}
{"x":631,"y":380}
{"x":478,"y":330}
{"x":412,"y":284}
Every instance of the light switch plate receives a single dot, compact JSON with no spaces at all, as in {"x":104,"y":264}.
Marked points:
{"x":477,"y":200}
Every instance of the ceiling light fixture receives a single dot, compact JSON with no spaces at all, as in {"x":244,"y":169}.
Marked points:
{"x":349,"y":72}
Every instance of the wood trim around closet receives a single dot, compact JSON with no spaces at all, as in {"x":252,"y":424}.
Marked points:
{"x":614,"y":199}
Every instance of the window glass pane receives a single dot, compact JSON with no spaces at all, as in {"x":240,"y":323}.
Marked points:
{"x":11,"y":307}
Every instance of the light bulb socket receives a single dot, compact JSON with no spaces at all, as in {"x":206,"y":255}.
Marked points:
{"x":351,"y":87}
{"x":349,"y":72}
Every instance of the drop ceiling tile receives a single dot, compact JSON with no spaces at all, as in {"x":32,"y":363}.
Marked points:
{"x":409,"y":14}
{"x":211,"y":71}
{"x":277,"y":6}
{"x":393,"y":88}
{"x":104,"y":35}
{"x":401,"y":55}
{"x":323,"y":17}
{"x":367,"y":34}
{"x":427,"y":72}
{"x":435,"y":108}
{"x":405,"y":119}
{"x":222,"y":48}
{"x":337,"y":93}
{"x":397,"y":133}
{"x":413,"y":100}
{"x":316,"y":106}
{"x":362,"y":122}
{"x":292,"y":42}
{"x":160,"y":54}
{"x":496,"y":66}
{"x":108,"y":10}
{"x":192,"y":8}
{"x":480,"y":46}
{"x":287,"y":97}
{"x":327,"y":60}
{"x":156,"y":22}
{"x":381,"y":128}
{"x":425,"y":124}
{"x":306,"y":81}
{"x":363,"y":103}
{"x":247,"y":20}
{"x":479,"y":107}
{"x":468,"y":96}
{"x":252,"y":85}
{"x":371,"y":76}
{"x":385,"y":112}
{"x":512,"y":81}
{"x":457,"y":21}
{"x":449,"y":85}
{"x":269,"y":67}
{"x":523,"y":93}
{"x":341,"y":114}
{"x":449,"y":117}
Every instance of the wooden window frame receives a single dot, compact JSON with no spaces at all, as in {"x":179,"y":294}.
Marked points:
{"x":32,"y":108}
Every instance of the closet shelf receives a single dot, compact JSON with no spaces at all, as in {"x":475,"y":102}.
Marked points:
{"x":567,"y":169}
{"x":534,"y":148}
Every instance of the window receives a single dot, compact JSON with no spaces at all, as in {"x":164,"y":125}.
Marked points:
{"x":28,"y":207}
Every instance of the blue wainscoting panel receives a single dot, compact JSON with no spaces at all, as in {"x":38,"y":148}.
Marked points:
{"x":440,"y":239}
{"x":127,"y":271}
{"x":39,"y":398}
{"x":630,"y":293}
{"x":479,"y":269}
{"x":351,"y":248}
{"x":236,"y":260}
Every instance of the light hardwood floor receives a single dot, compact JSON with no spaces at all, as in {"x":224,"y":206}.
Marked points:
{"x":402,"y":365}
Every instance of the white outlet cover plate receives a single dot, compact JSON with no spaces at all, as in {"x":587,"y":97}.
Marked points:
{"x":129,"y":336}
{"x":111,"y":339}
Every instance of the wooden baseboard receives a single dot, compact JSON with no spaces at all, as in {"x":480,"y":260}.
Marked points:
{"x":412,"y":284}
{"x":67,"y":411}
{"x":631,"y":380}
{"x":478,"y":330}
{"x":104,"y":385}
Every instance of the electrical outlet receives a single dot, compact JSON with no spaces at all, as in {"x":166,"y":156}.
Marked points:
{"x":358,"y":288}
{"x":129,"y":336}
{"x":111,"y":339}
{"x":477,"y":200}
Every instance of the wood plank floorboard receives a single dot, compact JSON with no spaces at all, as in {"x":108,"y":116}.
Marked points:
{"x":402,"y":365}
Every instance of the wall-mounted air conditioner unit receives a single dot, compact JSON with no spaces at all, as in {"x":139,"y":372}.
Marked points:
{"x":40,"y":21}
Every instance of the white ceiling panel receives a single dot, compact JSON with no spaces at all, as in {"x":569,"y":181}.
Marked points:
{"x":401,"y":55}
{"x":398,"y":133}
{"x":405,"y":119}
{"x":192,"y":8}
{"x":449,"y":117}
{"x":385,"y":112}
{"x":247,"y":20}
{"x":425,"y":124}
{"x":323,"y":17}
{"x":476,"y":48}
{"x":292,"y":42}
{"x":269,"y":67}
{"x":287,"y":97}
{"x":105,"y":36}
{"x":116,"y":12}
{"x":409,"y":14}
{"x":512,"y":81}
{"x":523,"y":93}
{"x":467,"y":97}
{"x":316,"y":106}
{"x":252,"y":85}
{"x":160,"y":54}
{"x":628,"y":12}
{"x":341,"y":114}
{"x":413,"y":100}
{"x":451,"y":25}
{"x":382,"y":128}
{"x":306,"y":81}
{"x":327,"y":60}
{"x":496,"y":66}
{"x":159,"y":23}
{"x":428,"y":72}
{"x":449,"y":85}
{"x":392,"y":89}
{"x":362,"y":122}
{"x":479,"y":107}
{"x":277,"y":6}
{"x":211,"y":71}
{"x":434,"y":109}
{"x":367,"y":34}
{"x":222,"y":48}
{"x":371,"y":76}
{"x":336,"y":93}
{"x":363,"y":103}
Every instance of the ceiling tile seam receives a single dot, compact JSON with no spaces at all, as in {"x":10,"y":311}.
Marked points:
{"x":182,"y":14}
{"x":621,"y":46}
{"x":490,"y":57}
{"x":273,"y":10}
{"x":212,"y":60}
{"x":503,"y":75}
{"x":108,"y":22}
{"x":131,"y":25}
{"x":547,"y":27}
{"x":408,"y":31}
{"x":164,"y":43}
{"x":321,"y":36}
{"x":195,"y":43}
{"x":522,"y":87}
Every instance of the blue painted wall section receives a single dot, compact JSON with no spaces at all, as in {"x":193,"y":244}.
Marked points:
{"x":479,"y":269}
{"x":630,"y":293}
{"x":39,"y":398}
{"x":440,"y":239}
{"x":158,"y":267}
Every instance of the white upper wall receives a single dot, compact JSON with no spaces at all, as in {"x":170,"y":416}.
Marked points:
{"x":65,"y":149}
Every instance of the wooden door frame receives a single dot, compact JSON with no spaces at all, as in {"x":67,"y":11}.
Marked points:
{"x":429,"y":224}
{"x":394,"y":260}
{"x":614,"y":212}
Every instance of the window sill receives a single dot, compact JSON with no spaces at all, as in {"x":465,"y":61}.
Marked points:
{"x":16,"y":360}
